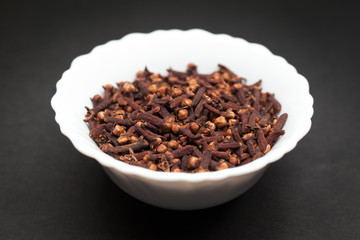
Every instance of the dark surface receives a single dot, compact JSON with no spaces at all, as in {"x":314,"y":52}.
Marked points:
{"x":48,"y":190}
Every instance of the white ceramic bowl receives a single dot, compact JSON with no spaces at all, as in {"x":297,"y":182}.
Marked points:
{"x":119,"y":60}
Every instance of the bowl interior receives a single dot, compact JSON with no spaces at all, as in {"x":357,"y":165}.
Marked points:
{"x":120,"y":60}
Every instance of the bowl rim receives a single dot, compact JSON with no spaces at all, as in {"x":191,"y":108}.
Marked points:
{"x":109,"y":162}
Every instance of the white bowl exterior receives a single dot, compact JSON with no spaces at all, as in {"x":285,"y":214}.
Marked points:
{"x":184,"y":195}
{"x":119,"y":60}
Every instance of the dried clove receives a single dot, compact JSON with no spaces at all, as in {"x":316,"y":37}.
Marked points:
{"x":186,"y":121}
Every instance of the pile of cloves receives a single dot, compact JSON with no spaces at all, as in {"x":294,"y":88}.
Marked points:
{"x":185,"y":121}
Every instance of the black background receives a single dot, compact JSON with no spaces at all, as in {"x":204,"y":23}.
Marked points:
{"x":48,"y":190}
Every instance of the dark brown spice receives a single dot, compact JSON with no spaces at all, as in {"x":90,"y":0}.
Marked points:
{"x":186,"y":121}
